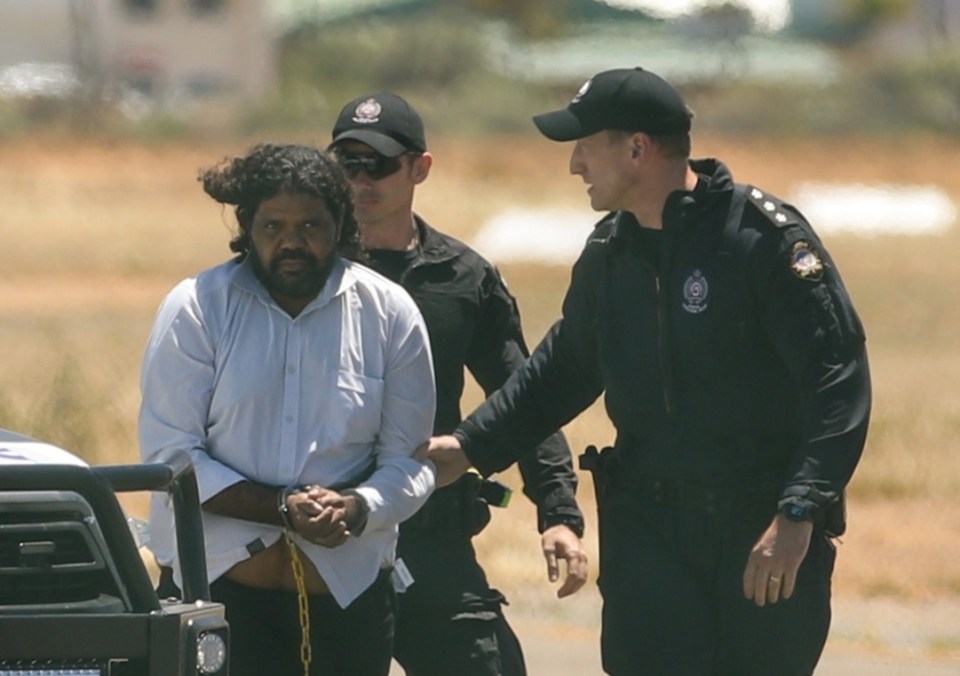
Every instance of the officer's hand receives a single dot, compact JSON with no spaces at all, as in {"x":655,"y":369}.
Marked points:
{"x":447,"y":456}
{"x":559,"y":542}
{"x":771,"y":571}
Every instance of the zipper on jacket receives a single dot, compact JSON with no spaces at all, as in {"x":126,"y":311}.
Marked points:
{"x":661,"y":343}
{"x":661,"y":340}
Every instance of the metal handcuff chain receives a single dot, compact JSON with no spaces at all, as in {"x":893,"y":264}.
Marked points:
{"x":303,"y":604}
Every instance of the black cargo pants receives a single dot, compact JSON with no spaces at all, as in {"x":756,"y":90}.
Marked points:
{"x":673,"y":602}
{"x":451,"y":621}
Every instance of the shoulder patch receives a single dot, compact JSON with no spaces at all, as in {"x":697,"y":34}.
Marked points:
{"x":771,"y":207}
{"x":805,"y":261}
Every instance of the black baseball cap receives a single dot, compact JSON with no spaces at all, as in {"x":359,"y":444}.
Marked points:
{"x":624,"y":99}
{"x":384,"y":121}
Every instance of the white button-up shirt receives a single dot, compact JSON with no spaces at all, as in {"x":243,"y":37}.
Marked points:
{"x":252,"y":393}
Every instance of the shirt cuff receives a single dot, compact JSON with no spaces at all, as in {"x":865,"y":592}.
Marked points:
{"x":803,"y":502}
{"x":572,"y":521}
{"x":359,"y":521}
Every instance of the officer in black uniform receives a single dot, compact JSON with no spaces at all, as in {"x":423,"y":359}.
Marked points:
{"x":450,"y":620}
{"x":734,"y":370}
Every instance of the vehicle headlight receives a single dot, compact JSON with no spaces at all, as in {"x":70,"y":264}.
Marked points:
{"x":211,"y":653}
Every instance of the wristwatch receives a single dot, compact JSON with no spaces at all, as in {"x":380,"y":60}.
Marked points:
{"x":796,"y":512}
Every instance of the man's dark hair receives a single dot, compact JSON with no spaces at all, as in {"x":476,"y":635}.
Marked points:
{"x":269,"y":169}
{"x":676,"y":146}
{"x":673,"y":145}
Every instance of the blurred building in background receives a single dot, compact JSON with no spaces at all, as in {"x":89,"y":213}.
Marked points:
{"x":152,"y":51}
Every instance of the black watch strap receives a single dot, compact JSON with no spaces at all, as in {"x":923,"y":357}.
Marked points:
{"x":797,"y":512}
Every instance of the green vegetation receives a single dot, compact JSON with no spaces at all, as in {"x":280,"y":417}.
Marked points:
{"x":447,"y":65}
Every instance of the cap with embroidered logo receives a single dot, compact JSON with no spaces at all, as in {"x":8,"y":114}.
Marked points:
{"x":384,"y":121}
{"x":623,"y":99}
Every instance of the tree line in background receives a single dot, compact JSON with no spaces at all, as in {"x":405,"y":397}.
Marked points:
{"x":429,"y":50}
{"x":438,"y":52}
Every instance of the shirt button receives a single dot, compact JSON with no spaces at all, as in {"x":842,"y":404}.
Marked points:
{"x":289,"y":418}
{"x":291,"y":369}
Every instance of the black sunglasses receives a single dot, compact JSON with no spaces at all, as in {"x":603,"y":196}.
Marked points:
{"x":374,"y":165}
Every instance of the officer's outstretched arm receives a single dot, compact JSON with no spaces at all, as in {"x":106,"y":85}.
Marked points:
{"x":447,"y":457}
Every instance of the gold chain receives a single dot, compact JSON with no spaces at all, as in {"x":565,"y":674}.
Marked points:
{"x":306,"y":651}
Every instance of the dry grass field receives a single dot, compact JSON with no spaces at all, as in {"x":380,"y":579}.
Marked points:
{"x":94,"y":235}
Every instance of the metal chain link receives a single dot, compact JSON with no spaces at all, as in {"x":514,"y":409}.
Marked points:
{"x":306,"y":650}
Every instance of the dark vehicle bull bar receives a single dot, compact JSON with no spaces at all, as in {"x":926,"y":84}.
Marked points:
{"x":75,"y":595}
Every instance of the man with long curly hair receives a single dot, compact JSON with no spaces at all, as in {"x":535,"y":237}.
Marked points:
{"x":300,"y":384}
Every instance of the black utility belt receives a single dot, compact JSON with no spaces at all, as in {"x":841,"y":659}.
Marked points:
{"x":723,"y":499}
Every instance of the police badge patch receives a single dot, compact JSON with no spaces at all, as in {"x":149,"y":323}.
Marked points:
{"x":695,"y":291}
{"x":368,"y":112}
{"x":805,"y":261}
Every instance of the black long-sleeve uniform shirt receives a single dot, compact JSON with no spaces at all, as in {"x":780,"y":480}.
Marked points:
{"x":726,"y":345}
{"x":473,"y":322}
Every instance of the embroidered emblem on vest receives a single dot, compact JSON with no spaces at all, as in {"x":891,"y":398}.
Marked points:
{"x":805,"y":261}
{"x":695,"y":291}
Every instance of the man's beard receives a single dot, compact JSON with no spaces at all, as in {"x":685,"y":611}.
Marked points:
{"x":304,"y":283}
